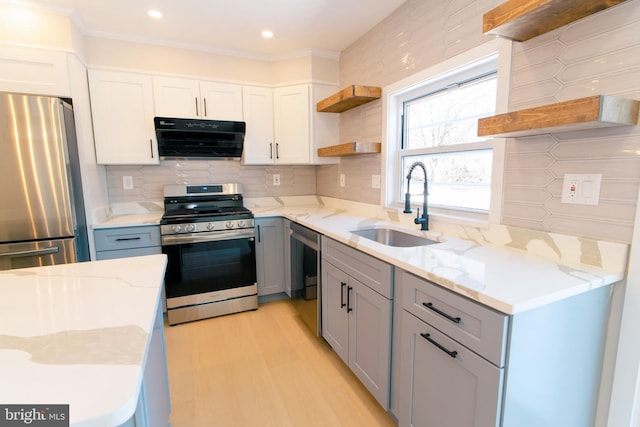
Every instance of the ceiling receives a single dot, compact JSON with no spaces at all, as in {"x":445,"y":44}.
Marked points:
{"x":232,"y":26}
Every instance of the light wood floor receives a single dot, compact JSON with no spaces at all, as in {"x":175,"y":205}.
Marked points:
{"x":262,"y":368}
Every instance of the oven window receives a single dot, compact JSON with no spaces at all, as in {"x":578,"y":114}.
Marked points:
{"x":209,"y":266}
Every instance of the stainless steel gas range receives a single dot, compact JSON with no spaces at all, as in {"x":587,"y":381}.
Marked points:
{"x":209,"y":238}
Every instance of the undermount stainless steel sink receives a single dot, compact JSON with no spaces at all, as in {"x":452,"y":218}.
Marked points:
{"x":391,"y":237}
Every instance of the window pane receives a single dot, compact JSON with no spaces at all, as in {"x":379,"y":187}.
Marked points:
{"x":450,"y":116}
{"x":461,"y":180}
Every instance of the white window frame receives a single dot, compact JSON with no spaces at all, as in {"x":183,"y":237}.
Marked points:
{"x":392,"y":107}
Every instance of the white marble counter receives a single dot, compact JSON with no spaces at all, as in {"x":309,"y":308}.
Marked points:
{"x":129,"y":220}
{"x":507,"y":279}
{"x":508,"y":269}
{"x":78,"y":334}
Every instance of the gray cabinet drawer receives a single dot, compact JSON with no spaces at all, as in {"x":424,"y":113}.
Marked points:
{"x":111,"y":239}
{"x":477,"y":327}
{"x":371,"y":271}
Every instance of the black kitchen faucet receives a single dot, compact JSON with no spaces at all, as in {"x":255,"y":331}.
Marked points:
{"x":424,"y":219}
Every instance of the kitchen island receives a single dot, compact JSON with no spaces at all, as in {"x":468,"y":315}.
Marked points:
{"x":89,"y":335}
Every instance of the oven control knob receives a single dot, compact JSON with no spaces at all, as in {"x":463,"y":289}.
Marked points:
{"x":211,"y":226}
{"x":229,"y":224}
{"x":242,"y":223}
{"x":176,"y":228}
{"x":190,"y":228}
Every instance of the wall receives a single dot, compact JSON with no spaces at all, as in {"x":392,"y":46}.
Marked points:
{"x":568,"y":63}
{"x":596,"y":55}
{"x":257,"y":181}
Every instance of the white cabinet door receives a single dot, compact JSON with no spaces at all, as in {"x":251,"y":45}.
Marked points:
{"x":176,"y":97}
{"x":292,"y":124}
{"x":221,"y":101}
{"x":191,"y":99}
{"x":34,"y":71}
{"x":257,"y":105}
{"x":122,"y":110}
{"x":370,"y":339}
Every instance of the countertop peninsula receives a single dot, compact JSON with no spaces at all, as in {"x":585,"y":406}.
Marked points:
{"x":79,"y":334}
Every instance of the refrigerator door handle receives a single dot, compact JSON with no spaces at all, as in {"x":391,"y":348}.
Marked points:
{"x":33,"y":252}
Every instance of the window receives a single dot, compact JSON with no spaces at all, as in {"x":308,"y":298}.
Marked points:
{"x":432,"y":117}
{"x":440,"y":130}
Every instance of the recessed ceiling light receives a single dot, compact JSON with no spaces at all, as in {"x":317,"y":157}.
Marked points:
{"x":267,"y":34}
{"x":154,"y":13}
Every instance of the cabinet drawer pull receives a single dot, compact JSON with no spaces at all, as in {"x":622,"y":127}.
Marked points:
{"x":277,"y":150}
{"x":440,"y":346}
{"x":342,"y":285}
{"x":349,"y":288}
{"x":124,"y":239}
{"x":442,"y":313}
{"x":196,"y":98}
{"x":205,"y":107}
{"x":271,"y":150}
{"x":151,"y":147}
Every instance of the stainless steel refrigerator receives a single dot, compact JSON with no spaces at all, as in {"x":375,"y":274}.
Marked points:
{"x":42,"y":219}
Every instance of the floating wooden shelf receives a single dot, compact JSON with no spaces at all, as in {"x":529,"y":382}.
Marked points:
{"x":522,"y":20}
{"x":585,"y":113}
{"x":348,"y":98}
{"x":350,"y":149}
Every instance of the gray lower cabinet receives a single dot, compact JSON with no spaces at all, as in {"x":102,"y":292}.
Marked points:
{"x":356,"y":319}
{"x":121,"y":242}
{"x":154,"y":404}
{"x":462,"y":364}
{"x":270,"y":255}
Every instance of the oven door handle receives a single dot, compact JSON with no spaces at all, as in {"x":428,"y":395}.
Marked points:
{"x":180,"y":239}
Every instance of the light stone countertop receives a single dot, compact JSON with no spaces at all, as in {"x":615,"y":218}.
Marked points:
{"x":510,"y":270}
{"x":78,"y":334}
{"x":507,"y":279}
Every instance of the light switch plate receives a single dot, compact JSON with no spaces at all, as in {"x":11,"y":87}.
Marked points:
{"x":342,"y":180}
{"x":581,"y":189}
{"x":127,"y":182}
{"x":375,"y":181}
{"x":276,"y":179}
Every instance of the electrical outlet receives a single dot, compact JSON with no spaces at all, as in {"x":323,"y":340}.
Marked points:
{"x":276,"y":179}
{"x":581,"y":189}
{"x":375,"y":181}
{"x":342,"y":180}
{"x":127,"y":182}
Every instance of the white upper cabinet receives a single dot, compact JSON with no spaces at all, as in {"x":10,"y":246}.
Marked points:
{"x":283,"y":127}
{"x":34,"y":71}
{"x":257,"y":106}
{"x":186,"y":98}
{"x":291,"y":124}
{"x":122,"y":111}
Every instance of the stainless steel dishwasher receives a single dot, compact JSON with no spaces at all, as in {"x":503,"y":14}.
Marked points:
{"x":304,"y":257}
